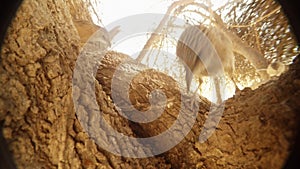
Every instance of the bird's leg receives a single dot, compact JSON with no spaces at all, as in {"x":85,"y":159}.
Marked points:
{"x":195,"y":96}
{"x":200,"y":82}
{"x":237,"y":89}
{"x":217,"y":87}
{"x":188,"y":78}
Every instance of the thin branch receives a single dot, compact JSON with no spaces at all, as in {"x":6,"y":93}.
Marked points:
{"x":269,"y":14}
{"x":257,"y":39}
{"x":160,"y":27}
{"x":257,"y":21}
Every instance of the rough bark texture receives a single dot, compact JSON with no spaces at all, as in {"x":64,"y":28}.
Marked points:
{"x":256,"y":131}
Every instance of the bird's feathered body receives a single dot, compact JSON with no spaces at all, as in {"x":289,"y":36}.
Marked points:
{"x":91,"y":33}
{"x":205,"y":52}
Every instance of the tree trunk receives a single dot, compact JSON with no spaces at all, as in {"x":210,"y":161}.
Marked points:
{"x":257,"y":128}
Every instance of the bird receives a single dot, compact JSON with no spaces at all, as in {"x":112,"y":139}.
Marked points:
{"x":205,"y":51}
{"x":92,"y":33}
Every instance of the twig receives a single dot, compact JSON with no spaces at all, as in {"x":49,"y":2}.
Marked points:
{"x":160,"y":27}
{"x":257,"y":39}
{"x":257,"y":21}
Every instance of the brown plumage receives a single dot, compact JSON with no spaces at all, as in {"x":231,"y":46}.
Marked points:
{"x":89,"y":31}
{"x":205,"y":52}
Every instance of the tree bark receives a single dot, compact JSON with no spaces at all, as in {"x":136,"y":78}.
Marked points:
{"x":257,"y":128}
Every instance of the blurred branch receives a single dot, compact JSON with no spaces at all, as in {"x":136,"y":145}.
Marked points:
{"x":257,"y":21}
{"x":154,"y":35}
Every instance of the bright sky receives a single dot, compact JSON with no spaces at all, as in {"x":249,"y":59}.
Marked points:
{"x":113,"y":10}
